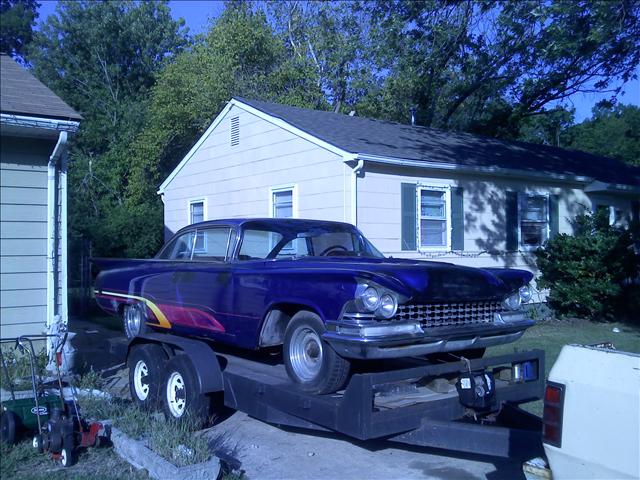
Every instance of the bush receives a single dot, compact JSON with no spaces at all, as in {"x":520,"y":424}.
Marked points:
{"x":593,"y":273}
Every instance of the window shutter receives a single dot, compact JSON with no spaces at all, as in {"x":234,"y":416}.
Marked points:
{"x":554,"y":215}
{"x":457,"y":218}
{"x":512,"y":221}
{"x":409,"y":212}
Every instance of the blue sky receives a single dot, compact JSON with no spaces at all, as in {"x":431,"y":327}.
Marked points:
{"x":198,"y":13}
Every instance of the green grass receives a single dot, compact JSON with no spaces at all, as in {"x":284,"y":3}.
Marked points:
{"x":551,"y":336}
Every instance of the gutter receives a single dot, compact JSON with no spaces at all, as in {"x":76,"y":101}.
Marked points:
{"x":425,"y":164}
{"x":39,"y":123}
{"x":54,"y":318}
{"x":354,"y":185}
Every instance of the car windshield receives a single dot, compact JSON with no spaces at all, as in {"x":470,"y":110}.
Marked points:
{"x":300,"y":239}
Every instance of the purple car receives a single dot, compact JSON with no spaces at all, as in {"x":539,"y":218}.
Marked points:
{"x":320,"y":289}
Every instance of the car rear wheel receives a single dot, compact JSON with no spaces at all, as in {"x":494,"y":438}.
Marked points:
{"x":134,"y":318}
{"x":181,"y":398}
{"x":146,"y":364}
{"x":310,"y":361}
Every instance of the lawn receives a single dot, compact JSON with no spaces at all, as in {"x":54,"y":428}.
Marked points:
{"x":551,"y":336}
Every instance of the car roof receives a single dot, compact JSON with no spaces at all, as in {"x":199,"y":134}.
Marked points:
{"x":263,"y":222}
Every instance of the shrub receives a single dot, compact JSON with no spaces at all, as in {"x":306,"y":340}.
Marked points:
{"x":591,"y":273}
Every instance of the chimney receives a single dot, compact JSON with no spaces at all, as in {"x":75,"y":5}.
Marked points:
{"x":413,"y":115}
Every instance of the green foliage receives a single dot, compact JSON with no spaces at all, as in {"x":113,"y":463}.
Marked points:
{"x":586,"y":272}
{"x":612,"y":131}
{"x":16,"y":27}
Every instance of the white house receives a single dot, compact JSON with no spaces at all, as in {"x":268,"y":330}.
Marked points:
{"x":414,"y":192}
{"x":34,"y":128}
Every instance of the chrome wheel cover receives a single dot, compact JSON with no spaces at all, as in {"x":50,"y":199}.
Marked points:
{"x":133,"y":319}
{"x":305,"y":353}
{"x":176,"y":395}
{"x":140,"y":380}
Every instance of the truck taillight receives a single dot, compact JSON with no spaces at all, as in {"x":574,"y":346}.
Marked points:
{"x":552,"y":416}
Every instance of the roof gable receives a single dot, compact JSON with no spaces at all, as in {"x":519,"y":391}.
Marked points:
{"x":23,"y":94}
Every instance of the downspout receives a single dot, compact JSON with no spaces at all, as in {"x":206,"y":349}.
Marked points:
{"x":354,"y":191}
{"x":53,"y":317}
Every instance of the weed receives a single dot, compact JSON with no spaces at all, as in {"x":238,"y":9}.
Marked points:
{"x":177,"y":441}
{"x":90,"y":380}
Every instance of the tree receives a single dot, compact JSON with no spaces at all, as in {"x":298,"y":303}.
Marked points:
{"x":612,"y":131}
{"x":16,"y":27}
{"x":239,"y":56}
{"x":549,"y":127}
{"x":102,"y":58}
{"x":486,"y":66}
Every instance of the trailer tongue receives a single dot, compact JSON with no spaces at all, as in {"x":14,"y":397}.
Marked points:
{"x":410,"y":401}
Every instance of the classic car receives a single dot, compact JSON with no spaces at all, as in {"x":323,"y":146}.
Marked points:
{"x":320,"y":289}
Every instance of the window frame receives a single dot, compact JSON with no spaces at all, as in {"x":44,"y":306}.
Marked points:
{"x":526,"y":195}
{"x":190,"y":203}
{"x":293,"y":188}
{"x":446,"y":189}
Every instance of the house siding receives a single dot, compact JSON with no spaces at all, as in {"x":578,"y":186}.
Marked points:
{"x":484,"y":199}
{"x":236,"y":181}
{"x":23,"y":236}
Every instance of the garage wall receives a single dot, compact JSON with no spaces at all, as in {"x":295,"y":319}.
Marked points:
{"x":236,"y":180}
{"x":23,"y":235}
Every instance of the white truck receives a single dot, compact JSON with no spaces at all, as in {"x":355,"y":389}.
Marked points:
{"x":591,"y":420}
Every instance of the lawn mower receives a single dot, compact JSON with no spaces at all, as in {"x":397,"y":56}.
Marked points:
{"x":55,"y":423}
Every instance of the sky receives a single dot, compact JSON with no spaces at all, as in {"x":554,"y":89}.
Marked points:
{"x":198,"y":13}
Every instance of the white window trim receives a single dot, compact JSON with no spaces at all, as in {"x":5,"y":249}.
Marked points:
{"x":294,"y":198}
{"x":447,"y":190}
{"x":522,"y":195}
{"x":190,"y":202}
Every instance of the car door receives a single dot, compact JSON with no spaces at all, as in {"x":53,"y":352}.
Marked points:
{"x":194,"y":290}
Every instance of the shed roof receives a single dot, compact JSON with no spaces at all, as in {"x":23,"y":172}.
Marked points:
{"x":359,"y":135}
{"x":23,"y":94}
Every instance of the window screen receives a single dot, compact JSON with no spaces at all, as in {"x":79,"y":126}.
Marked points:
{"x":433,"y":218}
{"x":282,"y":201}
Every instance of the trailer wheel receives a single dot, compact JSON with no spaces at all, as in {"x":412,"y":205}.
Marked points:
{"x":310,"y":361}
{"x":8,"y":426}
{"x":181,"y":397}
{"x":134,"y":319}
{"x":146,"y":363}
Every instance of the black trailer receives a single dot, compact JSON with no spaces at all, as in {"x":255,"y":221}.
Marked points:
{"x":413,"y":401}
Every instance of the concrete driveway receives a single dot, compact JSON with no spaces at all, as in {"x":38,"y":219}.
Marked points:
{"x":269,"y":452}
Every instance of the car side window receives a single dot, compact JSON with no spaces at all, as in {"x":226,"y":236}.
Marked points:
{"x":211,"y":244}
{"x":179,"y":248}
{"x":258,"y":244}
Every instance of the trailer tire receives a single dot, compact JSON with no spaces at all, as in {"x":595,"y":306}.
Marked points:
{"x":181,"y":396}
{"x":146,"y":364}
{"x":9,"y":427}
{"x":310,"y":361}
{"x":134,"y":318}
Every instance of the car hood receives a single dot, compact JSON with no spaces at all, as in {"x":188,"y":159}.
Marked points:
{"x":422,"y":281}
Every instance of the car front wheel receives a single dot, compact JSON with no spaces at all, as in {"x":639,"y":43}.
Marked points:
{"x":309,"y":360}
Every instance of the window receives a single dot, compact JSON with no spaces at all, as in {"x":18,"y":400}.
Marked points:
{"x":196,"y":215}
{"x":534,"y":220}
{"x":282,"y":202}
{"x":433,"y":215}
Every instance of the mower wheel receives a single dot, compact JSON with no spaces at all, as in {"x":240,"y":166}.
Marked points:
{"x":9,"y":425}
{"x":67,"y":457}
{"x":37,"y":443}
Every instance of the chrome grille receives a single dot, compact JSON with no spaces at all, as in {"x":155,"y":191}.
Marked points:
{"x":449,"y":314}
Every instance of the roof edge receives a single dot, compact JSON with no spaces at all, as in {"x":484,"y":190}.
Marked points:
{"x":44,"y":123}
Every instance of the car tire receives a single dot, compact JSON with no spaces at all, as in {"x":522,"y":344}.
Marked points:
{"x":146,"y":364}
{"x":310,"y":361}
{"x":8,"y":427}
{"x":181,"y":396}
{"x":134,"y":318}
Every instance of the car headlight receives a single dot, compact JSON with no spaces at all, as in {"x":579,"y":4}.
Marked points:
{"x":388,"y":306}
{"x":513,"y":301}
{"x":525,"y":293}
{"x":370,"y":298}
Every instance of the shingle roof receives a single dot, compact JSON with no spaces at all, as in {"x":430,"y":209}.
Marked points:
{"x":23,"y":94}
{"x":388,"y":139}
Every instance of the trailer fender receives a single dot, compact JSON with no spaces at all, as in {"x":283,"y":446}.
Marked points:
{"x":202,"y":357}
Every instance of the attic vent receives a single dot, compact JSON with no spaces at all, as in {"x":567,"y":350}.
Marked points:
{"x":235,"y":131}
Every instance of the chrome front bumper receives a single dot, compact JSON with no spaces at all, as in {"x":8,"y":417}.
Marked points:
{"x":349,"y":343}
